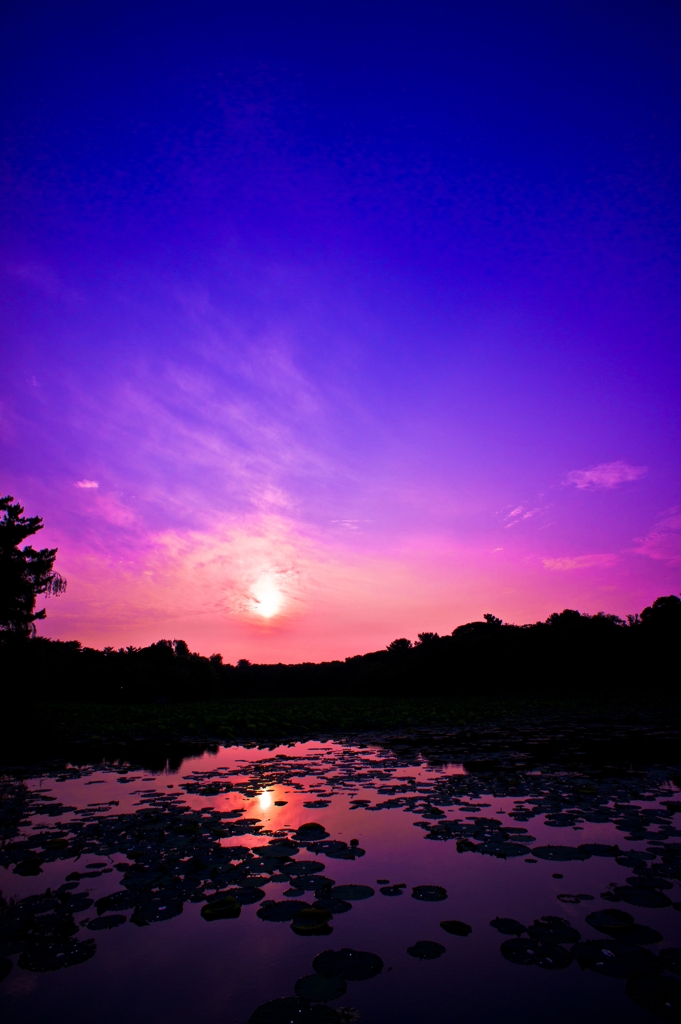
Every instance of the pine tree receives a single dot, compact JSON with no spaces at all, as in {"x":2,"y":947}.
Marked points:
{"x":24,"y":572}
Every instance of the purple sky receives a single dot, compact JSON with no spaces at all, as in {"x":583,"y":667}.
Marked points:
{"x":326,"y":327}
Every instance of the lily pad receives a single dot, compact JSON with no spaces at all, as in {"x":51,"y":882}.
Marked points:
{"x":392,"y":890}
{"x":121,"y":900}
{"x":30,"y":866}
{"x":224,"y":906}
{"x":352,"y":892}
{"x":285,"y":910}
{"x":315,"y":883}
{"x":426,"y":950}
{"x":641,"y":934}
{"x":53,"y":927}
{"x":429,"y":893}
{"x":456,"y":927}
{"x":310,"y":919}
{"x":649,"y":883}
{"x":328,"y":847}
{"x":39,"y":904}
{"x":247,"y":896}
{"x":499,"y":848}
{"x":660,"y":996}
{"x":350,"y":853}
{"x":650,"y":898}
{"x":159,"y":909}
{"x":110,"y":921}
{"x":553,"y":958}
{"x":350,"y":964}
{"x":318,"y":989}
{"x":54,"y":956}
{"x":5,"y":967}
{"x":302,"y":867}
{"x":278,"y":848}
{"x":560,"y":853}
{"x":253,"y":882}
{"x":311,"y":831}
{"x":333,"y":905}
{"x":508,"y":926}
{"x":293,"y":1011}
{"x":616,"y":959}
{"x":609,"y":921}
{"x":633,"y":859}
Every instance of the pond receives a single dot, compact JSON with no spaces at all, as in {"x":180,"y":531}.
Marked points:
{"x":397,"y":878}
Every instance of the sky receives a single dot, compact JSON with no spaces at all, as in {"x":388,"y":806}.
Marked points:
{"x":328,"y":324}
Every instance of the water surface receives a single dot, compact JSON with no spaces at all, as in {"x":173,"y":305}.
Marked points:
{"x":181,"y":892}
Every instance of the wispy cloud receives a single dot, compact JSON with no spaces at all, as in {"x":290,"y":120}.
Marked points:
{"x":606,"y":474}
{"x":247,"y":431}
{"x":580,"y":562}
{"x":112,"y":510}
{"x":87,"y":485}
{"x":663,"y":543}
{"x":350,"y":524}
{"x":521,"y":512}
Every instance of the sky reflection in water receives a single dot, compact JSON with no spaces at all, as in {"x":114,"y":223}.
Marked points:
{"x":185,"y":895}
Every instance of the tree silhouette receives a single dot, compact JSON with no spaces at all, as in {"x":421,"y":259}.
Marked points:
{"x":663,"y":614}
{"x":24,"y":572}
{"x":426,"y":638}
{"x":399,"y":646}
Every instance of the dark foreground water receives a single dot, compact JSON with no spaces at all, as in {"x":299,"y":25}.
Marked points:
{"x":321,"y":882}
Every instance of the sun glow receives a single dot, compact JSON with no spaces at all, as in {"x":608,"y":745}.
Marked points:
{"x":267,"y":598}
{"x":265,"y":801}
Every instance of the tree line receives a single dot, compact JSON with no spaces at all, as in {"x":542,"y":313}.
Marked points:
{"x":567,"y":653}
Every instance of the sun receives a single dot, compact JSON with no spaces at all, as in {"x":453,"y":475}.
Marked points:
{"x":267,"y":599}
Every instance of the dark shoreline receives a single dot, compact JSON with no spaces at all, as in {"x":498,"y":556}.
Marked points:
{"x":636,"y":728}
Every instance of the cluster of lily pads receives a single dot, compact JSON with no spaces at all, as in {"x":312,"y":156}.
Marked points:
{"x":623,"y":954}
{"x":174,"y":855}
{"x":563,"y":795}
{"x":333,"y":969}
{"x":41,"y":929}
